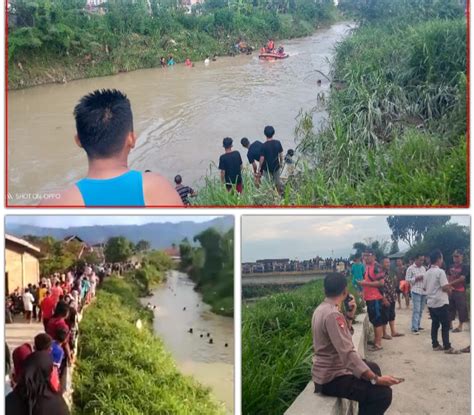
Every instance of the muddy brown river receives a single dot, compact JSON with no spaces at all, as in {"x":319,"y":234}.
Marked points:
{"x":210,"y":364}
{"x":181,"y":114}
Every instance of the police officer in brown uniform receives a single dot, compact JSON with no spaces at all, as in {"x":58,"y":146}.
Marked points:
{"x":338,"y":370}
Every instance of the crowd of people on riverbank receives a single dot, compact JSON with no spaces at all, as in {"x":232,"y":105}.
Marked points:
{"x":425,"y":281}
{"x":37,"y":373}
{"x":338,"y":369}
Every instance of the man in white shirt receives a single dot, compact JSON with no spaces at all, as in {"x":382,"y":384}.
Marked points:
{"x":28,"y":301}
{"x":415,"y":276}
{"x":437,"y":290}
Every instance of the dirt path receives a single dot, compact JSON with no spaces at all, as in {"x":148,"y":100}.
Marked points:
{"x":21,"y":332}
{"x":435,"y":383}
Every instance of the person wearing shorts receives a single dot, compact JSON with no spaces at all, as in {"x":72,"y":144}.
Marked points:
{"x":372,"y":286}
{"x":458,"y":278}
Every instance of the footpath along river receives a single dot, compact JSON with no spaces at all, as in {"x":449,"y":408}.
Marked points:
{"x":181,"y":114}
{"x":210,"y":364}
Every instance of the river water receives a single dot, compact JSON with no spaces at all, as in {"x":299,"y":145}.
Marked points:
{"x":210,"y":364}
{"x":181,"y":114}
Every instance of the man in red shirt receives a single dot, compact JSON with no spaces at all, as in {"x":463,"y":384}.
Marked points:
{"x":458,"y":277}
{"x":57,"y":291}
{"x":47,"y":308}
{"x":372,"y":286}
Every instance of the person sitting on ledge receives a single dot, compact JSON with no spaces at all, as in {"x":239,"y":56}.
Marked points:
{"x":338,"y":369}
{"x":104,"y":124}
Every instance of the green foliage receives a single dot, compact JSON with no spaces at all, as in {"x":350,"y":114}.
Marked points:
{"x":61,"y":36}
{"x":447,"y":238}
{"x":408,"y":10}
{"x":123,"y":370}
{"x":277,"y":349}
{"x":118,"y":249}
{"x":211,"y":266}
{"x":380,"y":249}
{"x":142,"y":246}
{"x":412,"y":229}
{"x":152,"y":271}
{"x":57,"y":256}
{"x":91,"y":258}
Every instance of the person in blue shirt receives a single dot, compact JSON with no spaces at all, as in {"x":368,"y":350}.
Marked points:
{"x":357,"y":271}
{"x":171,"y":61}
{"x":57,"y":352}
{"x":104,"y":126}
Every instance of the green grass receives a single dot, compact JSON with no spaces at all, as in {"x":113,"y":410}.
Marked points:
{"x":121,"y":370}
{"x":277,"y":349}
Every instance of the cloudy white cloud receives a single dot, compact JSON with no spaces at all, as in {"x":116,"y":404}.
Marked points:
{"x":307,"y":236}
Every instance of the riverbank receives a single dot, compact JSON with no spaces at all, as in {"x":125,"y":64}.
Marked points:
{"x":79,"y":45}
{"x":286,"y":273}
{"x":122,"y":369}
{"x":396,"y":133}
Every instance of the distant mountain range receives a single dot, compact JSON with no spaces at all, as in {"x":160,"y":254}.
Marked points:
{"x":160,"y":235}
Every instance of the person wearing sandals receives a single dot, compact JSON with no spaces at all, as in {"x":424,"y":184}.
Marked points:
{"x":437,"y":290}
{"x":389,"y":300}
{"x":415,"y":276}
{"x":372,"y":286}
{"x":458,"y":277}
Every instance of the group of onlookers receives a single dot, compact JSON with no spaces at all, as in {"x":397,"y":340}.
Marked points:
{"x":267,"y":160}
{"x":426,"y":281}
{"x":38,"y":377}
{"x":338,"y":369}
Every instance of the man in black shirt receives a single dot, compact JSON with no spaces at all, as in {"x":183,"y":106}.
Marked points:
{"x":184,"y":191}
{"x":271,"y":159}
{"x":230,"y":165}
{"x":254,"y":152}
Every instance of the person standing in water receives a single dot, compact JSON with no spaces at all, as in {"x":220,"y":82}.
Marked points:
{"x":104,"y":125}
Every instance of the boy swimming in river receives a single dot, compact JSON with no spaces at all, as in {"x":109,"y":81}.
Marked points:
{"x":104,"y":125}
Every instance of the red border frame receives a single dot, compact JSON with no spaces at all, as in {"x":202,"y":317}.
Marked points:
{"x":468,"y":170}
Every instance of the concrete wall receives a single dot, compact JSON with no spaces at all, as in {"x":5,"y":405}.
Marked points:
{"x":310,"y":403}
{"x":21,"y":266}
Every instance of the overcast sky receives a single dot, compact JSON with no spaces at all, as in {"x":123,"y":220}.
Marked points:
{"x":305,"y":237}
{"x":69,"y":220}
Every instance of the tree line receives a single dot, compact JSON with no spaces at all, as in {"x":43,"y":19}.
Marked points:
{"x":67,"y":27}
{"x":422,"y":234}
{"x":210,"y":264}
